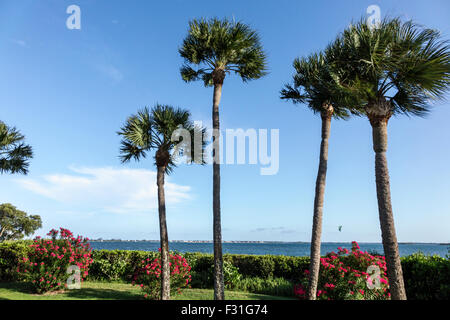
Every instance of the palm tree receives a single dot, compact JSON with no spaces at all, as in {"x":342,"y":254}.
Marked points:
{"x":315,"y":86}
{"x":153,"y":130}
{"x":397,"y":68}
{"x":217,"y":48}
{"x":14,"y":153}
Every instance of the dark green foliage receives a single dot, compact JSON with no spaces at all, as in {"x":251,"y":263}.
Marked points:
{"x":152,"y":130}
{"x":287,"y":267}
{"x":315,"y":84}
{"x":10,"y":253}
{"x":402,"y":62}
{"x":291,"y":268}
{"x":15,"y":224}
{"x":426,"y":277}
{"x":271,"y":286}
{"x":200,"y":269}
{"x":204,"y":278}
{"x":14,"y":153}
{"x":199,"y":262}
{"x":117,"y":264}
{"x":231,"y":274}
{"x":221,"y":44}
{"x":255,"y":266}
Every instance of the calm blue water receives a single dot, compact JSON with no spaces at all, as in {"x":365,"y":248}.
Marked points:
{"x":286,"y":248}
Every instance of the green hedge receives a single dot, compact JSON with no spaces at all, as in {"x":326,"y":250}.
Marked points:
{"x":261,"y":266}
{"x":426,"y":277}
{"x":110,"y":265}
{"x":271,"y":286}
{"x":10,"y":253}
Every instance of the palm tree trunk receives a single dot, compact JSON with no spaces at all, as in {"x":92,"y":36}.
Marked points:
{"x":318,"y":206}
{"x":219,"y":291}
{"x":390,"y":245}
{"x":165,"y":268}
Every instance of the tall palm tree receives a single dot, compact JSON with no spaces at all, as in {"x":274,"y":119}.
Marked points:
{"x":14,"y":153}
{"x":153,"y":130}
{"x":217,"y":48}
{"x":315,"y":86}
{"x":397,"y":68}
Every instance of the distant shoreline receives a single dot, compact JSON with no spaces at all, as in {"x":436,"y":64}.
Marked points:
{"x":256,"y":242}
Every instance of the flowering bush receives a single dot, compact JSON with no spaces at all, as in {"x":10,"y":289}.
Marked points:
{"x":46,"y":266}
{"x":148,"y":276}
{"x":344,"y":275}
{"x":231,"y":275}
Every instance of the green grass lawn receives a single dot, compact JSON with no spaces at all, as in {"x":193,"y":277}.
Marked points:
{"x":116,"y":291}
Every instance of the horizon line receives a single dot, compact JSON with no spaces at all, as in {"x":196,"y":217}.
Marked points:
{"x":257,"y":241}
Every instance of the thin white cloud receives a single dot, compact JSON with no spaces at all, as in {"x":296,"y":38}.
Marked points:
{"x":21,"y":43}
{"x":274,"y":229}
{"x":111,"y":72}
{"x":116,"y":190}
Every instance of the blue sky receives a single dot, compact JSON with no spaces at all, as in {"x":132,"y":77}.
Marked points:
{"x":69,"y":91}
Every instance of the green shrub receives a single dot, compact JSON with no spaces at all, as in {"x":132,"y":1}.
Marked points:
{"x":199,"y":262}
{"x":291,"y":268}
{"x":426,"y":277}
{"x":231,"y":275}
{"x":104,"y":269}
{"x":345,"y":276}
{"x":10,"y":254}
{"x":117,"y":264}
{"x":148,"y":276}
{"x":47,"y":265}
{"x":204,"y":278}
{"x":201,"y":280}
{"x":253,"y":265}
{"x":270,"y":286}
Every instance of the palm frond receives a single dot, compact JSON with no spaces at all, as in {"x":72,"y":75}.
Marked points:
{"x":400,"y":61}
{"x":316,"y":84}
{"x":14,"y":153}
{"x":153,"y":129}
{"x":221,"y":44}
{"x":137,"y":136}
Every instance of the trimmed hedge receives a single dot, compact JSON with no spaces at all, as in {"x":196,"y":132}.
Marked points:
{"x":10,"y":253}
{"x":426,"y":277}
{"x":110,"y":265}
{"x":260,"y":266}
{"x":271,"y":286}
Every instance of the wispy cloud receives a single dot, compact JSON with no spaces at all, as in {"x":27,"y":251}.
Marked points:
{"x":107,"y":189}
{"x":111,"y":72}
{"x":21,"y":43}
{"x":274,"y":229}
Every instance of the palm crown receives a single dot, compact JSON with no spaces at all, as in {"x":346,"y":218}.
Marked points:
{"x":221,"y":45}
{"x":398,"y":62}
{"x":152,"y":130}
{"x":14,"y":153}
{"x":316,"y":85}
